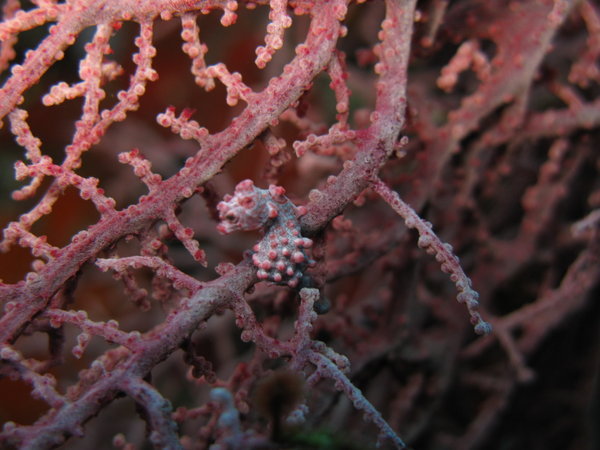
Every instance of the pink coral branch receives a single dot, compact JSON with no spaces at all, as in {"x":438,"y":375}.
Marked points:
{"x":7,"y":52}
{"x":429,"y":241}
{"x":586,"y":69}
{"x":163,"y":432}
{"x":280,"y":20}
{"x":337,"y":134}
{"x":157,"y":345}
{"x":44,"y":386}
{"x":339,"y":75}
{"x":196,"y":50}
{"x":303,"y":350}
{"x":160,"y":266}
{"x":467,"y":55}
{"x":219,"y":148}
{"x":142,"y":168}
{"x":182,"y":125}
{"x":327,"y":369}
{"x":186,"y":236}
{"x":25,"y":138}
{"x":107,"y":330}
{"x":70,"y":22}
{"x":376,"y":144}
{"x":327,"y":273}
{"x":236,"y":89}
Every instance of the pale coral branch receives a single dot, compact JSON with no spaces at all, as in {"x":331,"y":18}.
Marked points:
{"x":524,"y":373}
{"x":306,"y":318}
{"x":36,"y":63}
{"x":108,"y":330}
{"x":44,"y":386}
{"x":128,"y":98}
{"x":26,"y":20}
{"x":252,"y":331}
{"x":16,"y":232}
{"x":278,"y":156}
{"x":393,"y":52}
{"x":138,"y":295}
{"x":541,"y":199}
{"x":163,"y":429}
{"x":20,"y":129}
{"x":88,"y":187}
{"x":327,"y":369}
{"x":297,"y":347}
{"x":429,"y":241}
{"x":588,"y":224}
{"x":90,"y":72}
{"x":436,"y":13}
{"x":302,"y":123}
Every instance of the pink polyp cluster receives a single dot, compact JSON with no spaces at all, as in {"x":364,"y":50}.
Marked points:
{"x":281,"y":255}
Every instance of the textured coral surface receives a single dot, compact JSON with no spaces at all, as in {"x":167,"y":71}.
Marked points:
{"x":299,"y":224}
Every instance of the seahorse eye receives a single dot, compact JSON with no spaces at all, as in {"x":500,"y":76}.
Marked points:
{"x":230,"y":217}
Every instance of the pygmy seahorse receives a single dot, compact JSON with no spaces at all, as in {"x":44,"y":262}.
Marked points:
{"x":281,"y":256}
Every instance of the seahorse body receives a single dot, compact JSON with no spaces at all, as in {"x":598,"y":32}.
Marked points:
{"x":281,"y":256}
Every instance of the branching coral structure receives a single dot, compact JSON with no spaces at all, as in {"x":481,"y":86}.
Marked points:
{"x":241,"y":224}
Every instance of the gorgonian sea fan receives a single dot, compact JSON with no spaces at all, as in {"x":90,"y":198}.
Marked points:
{"x":331,"y":118}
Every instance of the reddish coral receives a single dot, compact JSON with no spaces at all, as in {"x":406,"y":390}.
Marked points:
{"x":476,"y":122}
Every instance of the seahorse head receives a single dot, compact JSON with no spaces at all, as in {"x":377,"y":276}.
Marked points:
{"x":247,"y":209}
